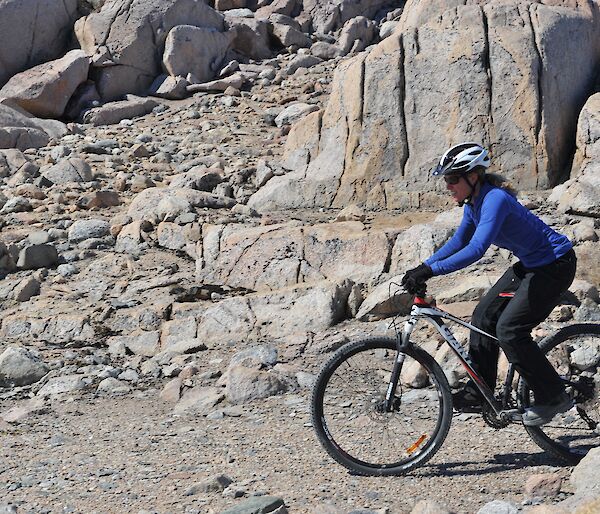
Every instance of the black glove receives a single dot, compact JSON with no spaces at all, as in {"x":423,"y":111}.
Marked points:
{"x":414,"y":279}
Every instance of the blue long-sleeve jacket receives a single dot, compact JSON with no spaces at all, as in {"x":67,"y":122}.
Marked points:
{"x":496,"y":217}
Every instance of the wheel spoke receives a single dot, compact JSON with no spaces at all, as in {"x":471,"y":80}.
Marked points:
{"x":350,"y":415}
{"x":574,"y":354}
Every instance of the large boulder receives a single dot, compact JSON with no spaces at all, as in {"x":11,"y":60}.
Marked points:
{"x":196,"y":50}
{"x":33,"y":32}
{"x":275,"y":314}
{"x":585,"y":478}
{"x":20,"y":130}
{"x":287,"y":35}
{"x":45,"y":89}
{"x":250,"y":36}
{"x":274,"y":256}
{"x":420,"y":241}
{"x":356,"y":35}
{"x":66,"y":171}
{"x":285,"y":7}
{"x":126,"y":40}
{"x":499,"y":73}
{"x":114,"y":112}
{"x":581,"y":194}
{"x":330,"y":15}
{"x":245,"y":384}
{"x":387,"y":299}
{"x":19,"y":366}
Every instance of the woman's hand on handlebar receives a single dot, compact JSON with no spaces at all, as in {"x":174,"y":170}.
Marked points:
{"x":414,"y":279}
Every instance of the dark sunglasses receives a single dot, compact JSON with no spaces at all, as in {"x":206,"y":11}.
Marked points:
{"x":452,"y":179}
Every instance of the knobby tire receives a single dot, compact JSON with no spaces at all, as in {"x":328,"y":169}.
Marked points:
{"x":347,"y":415}
{"x":567,"y":436}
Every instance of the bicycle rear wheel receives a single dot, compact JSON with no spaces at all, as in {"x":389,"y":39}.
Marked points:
{"x":574,"y":352}
{"x":348,"y":408}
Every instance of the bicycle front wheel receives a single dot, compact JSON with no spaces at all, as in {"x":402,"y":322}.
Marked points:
{"x":574,"y":352}
{"x":349,"y":415}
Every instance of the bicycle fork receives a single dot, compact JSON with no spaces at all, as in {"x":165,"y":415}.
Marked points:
{"x":402,"y":342}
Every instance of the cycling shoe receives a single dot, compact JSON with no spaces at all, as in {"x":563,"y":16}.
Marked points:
{"x":467,"y":400}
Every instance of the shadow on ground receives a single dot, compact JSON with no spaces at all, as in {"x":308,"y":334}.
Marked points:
{"x":498,"y":463}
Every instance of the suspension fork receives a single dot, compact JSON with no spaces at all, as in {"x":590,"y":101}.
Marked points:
{"x":401,"y":343}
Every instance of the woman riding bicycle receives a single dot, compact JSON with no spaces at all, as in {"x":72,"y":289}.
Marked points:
{"x":522,"y":298}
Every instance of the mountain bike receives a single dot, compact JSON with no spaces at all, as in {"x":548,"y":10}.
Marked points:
{"x":383,"y":406}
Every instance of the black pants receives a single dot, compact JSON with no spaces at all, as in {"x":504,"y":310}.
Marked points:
{"x":536,"y":292}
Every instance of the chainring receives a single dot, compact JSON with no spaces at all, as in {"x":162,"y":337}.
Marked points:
{"x":491,"y":419}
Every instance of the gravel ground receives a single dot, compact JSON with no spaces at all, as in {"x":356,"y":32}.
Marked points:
{"x":131,"y":454}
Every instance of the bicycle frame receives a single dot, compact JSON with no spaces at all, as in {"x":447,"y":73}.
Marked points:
{"x":435,"y":316}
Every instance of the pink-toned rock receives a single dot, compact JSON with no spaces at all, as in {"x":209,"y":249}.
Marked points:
{"x":45,"y":89}
{"x":543,"y":485}
{"x":525,"y":108}
{"x":285,"y":7}
{"x":171,"y":392}
{"x":196,"y":50}
{"x":236,"y":80}
{"x":125,"y":40}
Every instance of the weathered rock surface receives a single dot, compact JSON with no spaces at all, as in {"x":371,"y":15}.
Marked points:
{"x":418,"y":242}
{"x":73,"y":169}
{"x":581,"y":193}
{"x":583,"y":478}
{"x":245,"y":384}
{"x":45,"y":89}
{"x":114,"y":112}
{"x":276,"y":314}
{"x":251,"y":36}
{"x":45,"y":24}
{"x":19,"y":366}
{"x":62,"y":385}
{"x":200,"y":400}
{"x":282,"y":255}
{"x":385,"y":300}
{"x":27,"y":409}
{"x":19,"y":131}
{"x":161,"y":203}
{"x":196,"y":50}
{"x":329,"y":15}
{"x":125,"y":40}
{"x":361,"y":158}
{"x":124,"y":316}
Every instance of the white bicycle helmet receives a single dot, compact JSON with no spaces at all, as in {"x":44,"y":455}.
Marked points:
{"x":462,"y":158}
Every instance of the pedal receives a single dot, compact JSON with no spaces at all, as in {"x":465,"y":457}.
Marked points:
{"x":514,"y":415}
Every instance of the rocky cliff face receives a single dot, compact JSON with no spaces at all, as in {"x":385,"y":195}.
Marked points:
{"x":502,"y":73}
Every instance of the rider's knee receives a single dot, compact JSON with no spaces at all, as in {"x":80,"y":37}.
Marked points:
{"x":508,"y":335}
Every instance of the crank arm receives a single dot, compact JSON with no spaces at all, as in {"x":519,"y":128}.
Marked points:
{"x":512,"y":415}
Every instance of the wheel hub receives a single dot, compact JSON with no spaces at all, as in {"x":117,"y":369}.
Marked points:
{"x":379,"y":411}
